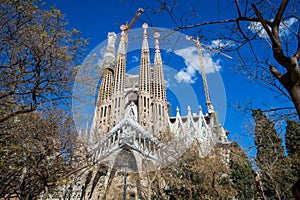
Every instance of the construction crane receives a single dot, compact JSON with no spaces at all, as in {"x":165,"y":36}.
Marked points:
{"x":126,"y":27}
{"x":210,"y":108}
{"x":202,"y":69}
{"x":203,"y":74}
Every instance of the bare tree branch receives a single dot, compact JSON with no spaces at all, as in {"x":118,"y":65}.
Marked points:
{"x":276,"y":73}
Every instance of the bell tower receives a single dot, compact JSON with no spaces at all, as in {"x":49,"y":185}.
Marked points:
{"x":145,"y":83}
{"x":160,"y":110}
{"x":118,"y":99}
{"x":104,"y":96}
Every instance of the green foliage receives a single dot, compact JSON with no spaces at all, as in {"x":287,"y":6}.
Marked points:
{"x":292,"y":143}
{"x":242,"y":175}
{"x":275,"y":172}
{"x":267,"y":141}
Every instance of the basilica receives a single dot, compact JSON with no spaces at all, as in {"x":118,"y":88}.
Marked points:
{"x":132,"y":133}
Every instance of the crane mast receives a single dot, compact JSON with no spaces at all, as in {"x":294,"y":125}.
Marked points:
{"x":203,"y":73}
{"x":138,"y":13}
{"x":125,"y":28}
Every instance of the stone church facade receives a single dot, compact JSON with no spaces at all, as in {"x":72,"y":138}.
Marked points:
{"x":132,"y":133}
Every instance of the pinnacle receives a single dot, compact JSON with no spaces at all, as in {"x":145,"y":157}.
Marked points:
{"x":145,"y":26}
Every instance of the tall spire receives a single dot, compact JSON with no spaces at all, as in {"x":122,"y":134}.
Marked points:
{"x":158,"y":79}
{"x":119,"y":80}
{"x":145,"y":46}
{"x":145,"y":82}
{"x":160,"y":115}
{"x":108,"y":66}
{"x":120,"y":68}
{"x":145,"y":73}
{"x":109,"y":55}
{"x":123,"y":40}
{"x":102,"y":113}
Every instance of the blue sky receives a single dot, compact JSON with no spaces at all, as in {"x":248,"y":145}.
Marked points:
{"x":96,"y":18}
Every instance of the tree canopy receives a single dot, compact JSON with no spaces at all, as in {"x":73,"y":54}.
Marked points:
{"x":37,"y":56}
{"x":275,"y":173}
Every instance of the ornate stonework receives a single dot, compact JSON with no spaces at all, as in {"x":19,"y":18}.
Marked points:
{"x":132,"y":133}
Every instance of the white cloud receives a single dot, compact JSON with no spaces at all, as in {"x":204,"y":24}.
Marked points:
{"x":191,"y":60}
{"x":257,"y":28}
{"x":220,"y":44}
{"x":183,"y":76}
{"x":284,"y":26}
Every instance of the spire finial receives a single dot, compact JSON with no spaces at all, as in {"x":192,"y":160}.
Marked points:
{"x":156,"y":36}
{"x":123,"y":27}
{"x":200,"y":108}
{"x":109,"y":55}
{"x":123,"y":34}
{"x":145,"y":26}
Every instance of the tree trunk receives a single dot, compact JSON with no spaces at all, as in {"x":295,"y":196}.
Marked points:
{"x":295,"y":95}
{"x":190,"y":193}
{"x":45,"y":193}
{"x":290,"y":81}
{"x":149,"y":191}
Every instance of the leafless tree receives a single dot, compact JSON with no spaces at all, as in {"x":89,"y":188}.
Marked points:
{"x":263,"y":34}
{"x":35,"y":153}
